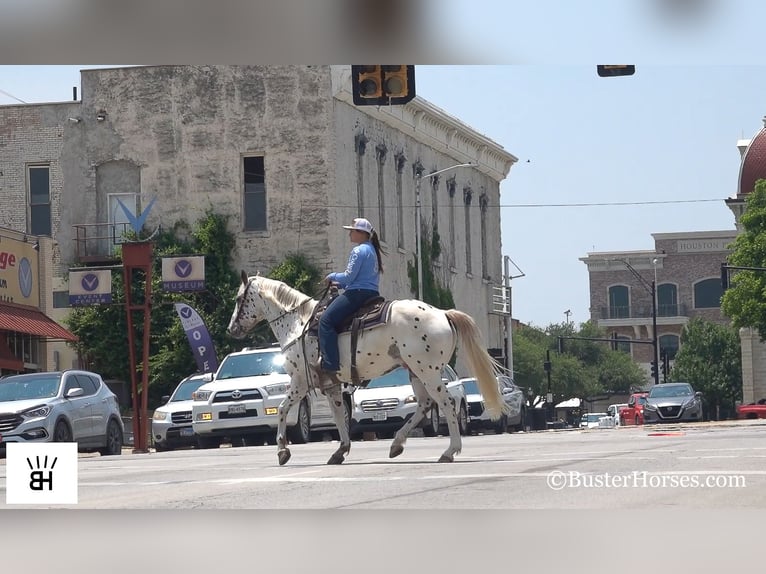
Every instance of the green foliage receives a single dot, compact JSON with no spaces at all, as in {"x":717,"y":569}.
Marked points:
{"x":297,"y":272}
{"x":709,"y":359}
{"x":744,"y":301}
{"x":585,"y":369}
{"x":434,"y":292}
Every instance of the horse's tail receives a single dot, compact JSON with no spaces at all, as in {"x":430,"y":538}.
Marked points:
{"x":482,"y":366}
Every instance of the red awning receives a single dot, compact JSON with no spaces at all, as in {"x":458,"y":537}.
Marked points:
{"x":33,"y":322}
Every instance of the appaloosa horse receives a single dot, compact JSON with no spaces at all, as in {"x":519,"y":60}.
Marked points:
{"x":417,"y":336}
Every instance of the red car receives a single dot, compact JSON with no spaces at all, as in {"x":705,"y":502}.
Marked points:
{"x":633,"y":414}
{"x":752,"y":411}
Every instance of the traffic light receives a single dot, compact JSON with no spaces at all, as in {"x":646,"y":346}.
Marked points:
{"x":654,"y":370}
{"x":609,"y":71}
{"x":382,"y":85}
{"x":724,"y":277}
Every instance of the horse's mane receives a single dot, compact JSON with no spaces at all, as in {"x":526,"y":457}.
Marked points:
{"x":286,"y":297}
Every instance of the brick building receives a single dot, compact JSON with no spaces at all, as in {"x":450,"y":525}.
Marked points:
{"x":281,"y":150}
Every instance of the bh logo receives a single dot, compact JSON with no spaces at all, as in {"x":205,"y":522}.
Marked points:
{"x":41,"y":473}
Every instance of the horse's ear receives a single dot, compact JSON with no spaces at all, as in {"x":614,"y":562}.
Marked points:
{"x":244,"y":277}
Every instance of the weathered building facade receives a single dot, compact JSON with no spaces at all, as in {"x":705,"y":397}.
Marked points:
{"x":281,"y":150}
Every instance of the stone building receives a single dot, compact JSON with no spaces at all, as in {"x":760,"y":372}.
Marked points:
{"x":752,"y":169}
{"x":281,"y":150}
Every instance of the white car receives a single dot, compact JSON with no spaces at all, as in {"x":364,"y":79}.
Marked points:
{"x":513,"y":397}
{"x":172,"y":422}
{"x":66,"y":406}
{"x":388,"y":401}
{"x":591,"y":420}
{"x":241,"y":402}
{"x":614,"y":412}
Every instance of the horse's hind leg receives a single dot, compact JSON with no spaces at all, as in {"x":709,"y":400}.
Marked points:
{"x":438,"y":392}
{"x":424,"y":405}
{"x":298,"y":390}
{"x":335,"y":398}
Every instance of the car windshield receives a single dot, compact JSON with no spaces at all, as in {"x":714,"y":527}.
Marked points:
{"x":186,"y":388}
{"x":251,"y":364}
{"x":396,"y":378}
{"x":471,"y":388}
{"x":25,"y":387}
{"x":664,"y":391}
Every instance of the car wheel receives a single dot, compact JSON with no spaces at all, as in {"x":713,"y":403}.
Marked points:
{"x":432,"y":427}
{"x":301,"y":432}
{"x":61,"y":432}
{"x":113,"y":440}
{"x":522,"y":420}
{"x":462,"y":420}
{"x":637,"y":423}
{"x":501,"y":425}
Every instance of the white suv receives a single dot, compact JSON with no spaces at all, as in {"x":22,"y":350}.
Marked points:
{"x":242,"y":401}
{"x":388,"y":401}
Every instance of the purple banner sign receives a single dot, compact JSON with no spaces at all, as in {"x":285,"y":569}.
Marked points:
{"x":199,"y":338}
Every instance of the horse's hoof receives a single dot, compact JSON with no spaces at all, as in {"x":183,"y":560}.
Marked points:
{"x":283,"y":456}
{"x":395,"y":451}
{"x":336,"y":459}
{"x":445,"y":458}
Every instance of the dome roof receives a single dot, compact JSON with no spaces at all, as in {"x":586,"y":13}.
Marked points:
{"x":754,"y":162}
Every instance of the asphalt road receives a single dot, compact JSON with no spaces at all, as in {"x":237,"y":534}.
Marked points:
{"x":697,"y":466}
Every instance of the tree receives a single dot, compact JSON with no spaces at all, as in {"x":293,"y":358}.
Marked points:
{"x":709,"y":359}
{"x":744,"y":302}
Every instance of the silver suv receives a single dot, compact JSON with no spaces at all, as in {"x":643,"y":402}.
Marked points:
{"x":513,"y":397}
{"x":241,"y":403}
{"x":65,"y":406}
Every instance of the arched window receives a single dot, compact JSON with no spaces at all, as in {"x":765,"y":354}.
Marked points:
{"x":707,"y":293}
{"x":669,"y":344}
{"x":619,"y":302}
{"x":667,"y":300}
{"x":621,"y":343}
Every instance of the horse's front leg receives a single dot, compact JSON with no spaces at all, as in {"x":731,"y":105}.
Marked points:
{"x":424,"y":405}
{"x":335,"y":397}
{"x":298,"y":390}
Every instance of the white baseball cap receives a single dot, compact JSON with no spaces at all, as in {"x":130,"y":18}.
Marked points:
{"x":360,"y":224}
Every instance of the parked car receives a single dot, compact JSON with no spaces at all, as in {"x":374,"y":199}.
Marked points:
{"x":672,"y":402}
{"x":241,"y":401}
{"x":614,"y":412}
{"x":633,"y":414}
{"x":172,"y":422}
{"x":388,"y":401}
{"x":514,"y":398}
{"x":63,"y":406}
{"x":591,"y":420}
{"x":752,"y":411}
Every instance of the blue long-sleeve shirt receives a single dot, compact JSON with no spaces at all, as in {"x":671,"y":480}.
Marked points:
{"x":362,"y":269}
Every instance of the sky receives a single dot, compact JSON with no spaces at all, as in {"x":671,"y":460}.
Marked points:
{"x":664,"y":139}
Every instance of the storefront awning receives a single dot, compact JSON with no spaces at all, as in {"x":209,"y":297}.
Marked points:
{"x":33,"y":322}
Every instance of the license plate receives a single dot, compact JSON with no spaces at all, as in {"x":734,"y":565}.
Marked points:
{"x":237,"y":409}
{"x":272,"y":410}
{"x":187,"y":432}
{"x":379,"y":416}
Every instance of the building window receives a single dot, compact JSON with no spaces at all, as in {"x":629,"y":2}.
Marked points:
{"x":360,"y":143}
{"x":620,"y":343}
{"x":255,"y":194}
{"x":667,"y":300}
{"x":434,"y":203}
{"x":619,"y":302}
{"x":380,"y":155}
{"x":60,"y":299}
{"x":400,"y":161}
{"x":707,"y":294}
{"x":669,"y":344}
{"x":451,"y":187}
{"x":467,"y":197}
{"x":39,"y":177}
{"x":483,"y":203}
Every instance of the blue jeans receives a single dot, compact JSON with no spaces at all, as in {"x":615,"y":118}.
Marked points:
{"x":342,"y":307}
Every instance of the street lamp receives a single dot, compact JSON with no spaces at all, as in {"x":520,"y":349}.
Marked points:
{"x":652,"y":289}
{"x":418,"y":253}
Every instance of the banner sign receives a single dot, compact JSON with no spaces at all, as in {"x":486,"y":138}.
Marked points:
{"x":90,"y":287}
{"x":199,"y":338}
{"x":183,"y":273}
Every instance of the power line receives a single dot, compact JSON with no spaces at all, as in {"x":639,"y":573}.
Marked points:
{"x":12,"y":96}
